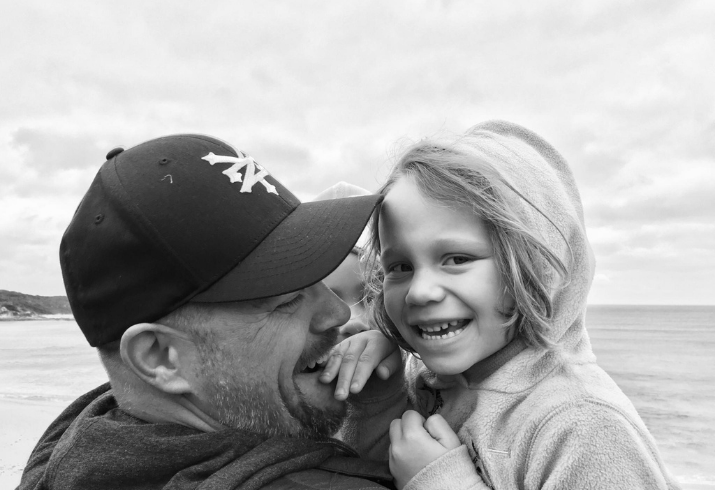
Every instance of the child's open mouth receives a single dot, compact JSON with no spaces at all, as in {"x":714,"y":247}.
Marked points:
{"x":444,"y":330}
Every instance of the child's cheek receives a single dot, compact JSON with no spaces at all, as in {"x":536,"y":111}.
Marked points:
{"x":355,"y":325}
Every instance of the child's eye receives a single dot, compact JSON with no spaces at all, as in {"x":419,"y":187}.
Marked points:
{"x":399,"y":268}
{"x":458,"y":260}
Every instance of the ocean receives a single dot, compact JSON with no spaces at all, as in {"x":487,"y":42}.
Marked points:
{"x":663,"y":357}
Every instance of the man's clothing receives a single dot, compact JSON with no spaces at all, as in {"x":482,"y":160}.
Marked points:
{"x":95,"y":445}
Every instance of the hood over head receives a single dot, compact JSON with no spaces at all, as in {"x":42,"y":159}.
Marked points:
{"x":545,"y":196}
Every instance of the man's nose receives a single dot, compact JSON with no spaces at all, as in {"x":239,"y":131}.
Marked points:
{"x":424,"y":288}
{"x":330,"y":311}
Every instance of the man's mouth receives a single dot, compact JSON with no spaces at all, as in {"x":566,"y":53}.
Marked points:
{"x":315,"y":365}
{"x":315,"y":356}
{"x":441,"y":330}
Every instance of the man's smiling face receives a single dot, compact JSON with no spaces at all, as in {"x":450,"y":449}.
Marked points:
{"x":256,"y":360}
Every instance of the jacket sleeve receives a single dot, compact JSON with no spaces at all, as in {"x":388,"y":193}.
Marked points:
{"x":454,"y":471}
{"x":367,"y":427}
{"x":592,"y":445}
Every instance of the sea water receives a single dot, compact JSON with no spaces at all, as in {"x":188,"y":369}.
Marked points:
{"x":663,"y":357}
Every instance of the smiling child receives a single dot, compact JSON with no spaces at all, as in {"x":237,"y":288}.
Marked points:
{"x":487,"y":268}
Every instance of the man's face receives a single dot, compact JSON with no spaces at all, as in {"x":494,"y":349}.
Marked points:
{"x":256,"y":363}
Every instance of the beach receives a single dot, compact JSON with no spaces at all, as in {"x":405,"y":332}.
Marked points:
{"x":661,"y":356}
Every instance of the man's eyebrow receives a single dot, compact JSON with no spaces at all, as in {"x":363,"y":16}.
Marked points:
{"x":273,"y":300}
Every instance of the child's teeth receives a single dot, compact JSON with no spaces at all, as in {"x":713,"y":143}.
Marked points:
{"x":437,"y":327}
{"x":447,"y":335}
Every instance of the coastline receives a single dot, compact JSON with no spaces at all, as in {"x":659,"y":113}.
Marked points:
{"x":36,"y":317}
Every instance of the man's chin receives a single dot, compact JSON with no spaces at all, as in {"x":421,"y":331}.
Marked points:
{"x":319,"y":412}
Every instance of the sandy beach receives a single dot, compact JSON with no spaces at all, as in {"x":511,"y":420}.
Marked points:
{"x":24,"y":423}
{"x":644,"y":350}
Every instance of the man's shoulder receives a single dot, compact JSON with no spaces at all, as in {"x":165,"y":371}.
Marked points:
{"x":319,"y":479}
{"x":340,"y":473}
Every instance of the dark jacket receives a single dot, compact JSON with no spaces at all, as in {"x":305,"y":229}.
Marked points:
{"x":95,"y":445}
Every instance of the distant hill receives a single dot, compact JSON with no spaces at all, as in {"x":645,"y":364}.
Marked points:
{"x":18,"y":306}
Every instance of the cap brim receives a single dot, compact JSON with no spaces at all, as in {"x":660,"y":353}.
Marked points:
{"x":304,"y":248}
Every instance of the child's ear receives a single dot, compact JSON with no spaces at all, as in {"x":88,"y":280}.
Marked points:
{"x":159,"y":355}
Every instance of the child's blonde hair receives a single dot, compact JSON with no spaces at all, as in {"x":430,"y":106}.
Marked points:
{"x":453,"y":172}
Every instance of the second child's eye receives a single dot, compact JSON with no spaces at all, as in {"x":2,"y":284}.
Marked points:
{"x":398,"y":268}
{"x":458,"y":260}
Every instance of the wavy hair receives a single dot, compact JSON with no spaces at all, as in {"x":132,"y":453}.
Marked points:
{"x":455,"y":173}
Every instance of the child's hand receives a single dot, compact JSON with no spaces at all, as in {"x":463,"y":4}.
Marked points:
{"x":415,"y":443}
{"x":354,"y":326}
{"x":354,"y":359}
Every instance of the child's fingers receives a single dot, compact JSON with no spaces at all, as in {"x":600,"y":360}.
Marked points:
{"x":332,"y":366}
{"x":389,"y":365}
{"x":412,"y":422}
{"x":368,"y":361}
{"x":379,"y":355}
{"x":439,"y":429}
{"x":354,"y":360}
{"x":395,"y":431}
{"x":350,"y":359}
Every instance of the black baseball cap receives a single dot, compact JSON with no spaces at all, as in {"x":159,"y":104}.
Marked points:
{"x":186,"y":218}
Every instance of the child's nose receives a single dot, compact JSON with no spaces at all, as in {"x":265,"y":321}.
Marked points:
{"x":424,"y":288}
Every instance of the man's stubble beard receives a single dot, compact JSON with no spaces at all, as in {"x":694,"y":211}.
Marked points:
{"x":251,"y":406}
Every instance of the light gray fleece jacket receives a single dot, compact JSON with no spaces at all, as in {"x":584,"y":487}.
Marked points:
{"x":539,"y":419}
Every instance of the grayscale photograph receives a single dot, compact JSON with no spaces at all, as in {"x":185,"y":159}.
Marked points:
{"x":410,"y":245}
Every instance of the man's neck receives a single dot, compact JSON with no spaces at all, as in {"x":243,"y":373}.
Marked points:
{"x":152,"y":405}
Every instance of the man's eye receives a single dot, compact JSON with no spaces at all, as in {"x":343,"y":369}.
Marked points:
{"x":458,"y":260}
{"x":289,"y":304}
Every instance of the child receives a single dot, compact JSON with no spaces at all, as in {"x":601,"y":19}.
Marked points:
{"x":486,"y":269}
{"x":347,"y":281}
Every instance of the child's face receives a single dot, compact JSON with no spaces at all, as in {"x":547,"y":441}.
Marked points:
{"x":442,"y":288}
{"x":347,"y":283}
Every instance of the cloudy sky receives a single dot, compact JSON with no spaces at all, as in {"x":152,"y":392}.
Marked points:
{"x":331,"y":90}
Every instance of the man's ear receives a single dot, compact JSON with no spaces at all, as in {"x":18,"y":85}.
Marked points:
{"x":159,"y":355}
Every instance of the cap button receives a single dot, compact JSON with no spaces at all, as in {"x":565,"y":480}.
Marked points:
{"x":113,"y":153}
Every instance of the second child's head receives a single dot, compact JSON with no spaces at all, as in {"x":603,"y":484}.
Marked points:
{"x":461,"y":273}
{"x":347,"y":281}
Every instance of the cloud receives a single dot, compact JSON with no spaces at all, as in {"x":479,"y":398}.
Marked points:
{"x":320,"y":92}
{"x":47,"y":151}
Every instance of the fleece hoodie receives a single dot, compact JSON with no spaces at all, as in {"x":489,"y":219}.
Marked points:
{"x":539,"y":419}
{"x":95,"y":445}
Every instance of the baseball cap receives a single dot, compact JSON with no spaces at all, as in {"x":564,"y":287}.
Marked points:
{"x":341,"y":190}
{"x":188,"y":218}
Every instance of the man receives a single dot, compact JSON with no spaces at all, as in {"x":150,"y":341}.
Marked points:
{"x":197,"y":276}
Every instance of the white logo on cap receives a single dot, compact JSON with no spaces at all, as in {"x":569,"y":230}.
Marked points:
{"x":252,"y":177}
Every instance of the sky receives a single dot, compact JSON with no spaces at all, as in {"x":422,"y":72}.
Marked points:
{"x":319,"y":92}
